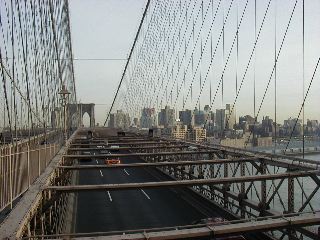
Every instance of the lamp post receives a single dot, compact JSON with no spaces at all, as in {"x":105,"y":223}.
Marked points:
{"x":64,"y":93}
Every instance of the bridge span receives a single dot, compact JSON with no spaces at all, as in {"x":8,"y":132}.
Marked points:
{"x":166,"y":189}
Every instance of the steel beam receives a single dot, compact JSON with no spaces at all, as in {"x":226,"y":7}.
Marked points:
{"x":158,"y":164}
{"x":231,"y":228}
{"x":118,"y":155}
{"x":128,"y":148}
{"x":126,"y":143}
{"x":246,"y":152}
{"x":181,"y":183}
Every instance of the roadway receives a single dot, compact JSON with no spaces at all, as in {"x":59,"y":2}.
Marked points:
{"x":131,"y":209}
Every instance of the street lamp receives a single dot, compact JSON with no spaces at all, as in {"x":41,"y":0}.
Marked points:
{"x":64,"y":93}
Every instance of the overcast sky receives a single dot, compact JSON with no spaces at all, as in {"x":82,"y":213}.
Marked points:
{"x":106,"y":29}
{"x":102,"y":29}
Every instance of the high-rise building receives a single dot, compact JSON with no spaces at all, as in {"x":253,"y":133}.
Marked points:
{"x":119,"y":120}
{"x":225,"y":118}
{"x":166,"y":117}
{"x":245,"y":122}
{"x":148,"y":118}
{"x":267,"y":127}
{"x":136,"y":122}
{"x":179,"y":131}
{"x":231,"y":117}
{"x":197,"y":134}
{"x":292,"y":126}
{"x":199,"y":117}
{"x":220,"y":119}
{"x":186,"y":117}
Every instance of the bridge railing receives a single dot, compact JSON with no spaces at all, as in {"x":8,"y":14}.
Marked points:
{"x":22,"y":163}
{"x":250,"y":197}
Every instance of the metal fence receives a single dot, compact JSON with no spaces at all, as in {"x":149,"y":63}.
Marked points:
{"x":22,"y":163}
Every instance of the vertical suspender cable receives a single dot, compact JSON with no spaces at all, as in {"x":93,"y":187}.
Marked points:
{"x":201,"y":53}
{"x":222,"y":78}
{"x":192,"y":63}
{"x":125,"y":68}
{"x":185,"y":63}
{"x":275,"y":84}
{"x":275,"y":75}
{"x":254,"y":69}
{"x":303,"y":76}
{"x":237,"y":58}
{"x":303,"y":80}
{"x":211,"y":53}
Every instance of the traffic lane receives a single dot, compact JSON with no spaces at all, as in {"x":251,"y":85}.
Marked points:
{"x":150,"y":208}
{"x":134,"y":209}
{"x":106,"y":211}
{"x":89,"y":204}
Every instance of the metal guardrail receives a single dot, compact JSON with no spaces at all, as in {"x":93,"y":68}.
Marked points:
{"x":21,"y":164}
{"x":217,"y":229}
{"x":19,"y":220}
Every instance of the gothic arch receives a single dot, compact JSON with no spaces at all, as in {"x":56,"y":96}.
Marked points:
{"x":81,"y":109}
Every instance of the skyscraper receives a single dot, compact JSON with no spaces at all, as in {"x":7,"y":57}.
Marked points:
{"x":119,"y":120}
{"x":166,"y":117}
{"x":186,"y":117}
{"x":148,"y":118}
{"x":225,"y":119}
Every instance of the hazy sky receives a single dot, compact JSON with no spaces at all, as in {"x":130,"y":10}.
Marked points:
{"x":106,"y":29}
{"x":102,"y":29}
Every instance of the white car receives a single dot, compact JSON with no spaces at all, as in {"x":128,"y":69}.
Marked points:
{"x":114,"y":148}
{"x":192,"y":148}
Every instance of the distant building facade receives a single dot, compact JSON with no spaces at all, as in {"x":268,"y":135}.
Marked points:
{"x":186,"y":117}
{"x":179,"y":131}
{"x":148,"y":118}
{"x":119,"y":120}
{"x":166,"y":117}
{"x":197,"y":134}
{"x":225,"y":118}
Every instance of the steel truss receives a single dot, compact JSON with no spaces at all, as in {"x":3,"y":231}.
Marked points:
{"x":245,"y":185}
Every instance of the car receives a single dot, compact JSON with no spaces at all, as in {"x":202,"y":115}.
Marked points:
{"x":192,"y":148}
{"x":114,"y":148}
{"x":105,"y":151}
{"x":102,"y":149}
{"x":112,"y":161}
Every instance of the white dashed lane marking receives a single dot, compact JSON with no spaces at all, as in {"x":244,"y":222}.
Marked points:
{"x":126,"y":172}
{"x":147,"y":196}
{"x":110,"y":198}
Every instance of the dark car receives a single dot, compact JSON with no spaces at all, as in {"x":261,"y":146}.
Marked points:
{"x":87,"y":158}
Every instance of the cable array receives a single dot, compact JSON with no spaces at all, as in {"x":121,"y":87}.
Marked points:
{"x":35,"y":62}
{"x":189,"y":54}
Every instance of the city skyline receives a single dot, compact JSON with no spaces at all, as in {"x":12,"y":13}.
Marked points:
{"x":189,"y":117}
{"x":195,"y":110}
{"x":289,"y":82}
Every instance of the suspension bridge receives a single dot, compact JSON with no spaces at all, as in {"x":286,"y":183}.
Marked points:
{"x":245,"y":167}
